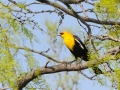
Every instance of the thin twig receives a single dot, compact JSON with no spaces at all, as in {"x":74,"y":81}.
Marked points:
{"x":83,"y":10}
{"x":88,"y":10}
{"x":46,"y":64}
{"x":91,"y":78}
{"x":41,"y":53}
{"x":89,"y":3}
{"x":45,"y":51}
{"x":106,"y":37}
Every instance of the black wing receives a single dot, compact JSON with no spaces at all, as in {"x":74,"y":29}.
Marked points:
{"x":81,"y":44}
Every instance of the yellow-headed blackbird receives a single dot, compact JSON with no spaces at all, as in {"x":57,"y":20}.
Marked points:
{"x":77,"y":48}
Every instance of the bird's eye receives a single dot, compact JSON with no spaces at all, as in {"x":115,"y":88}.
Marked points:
{"x":61,"y":33}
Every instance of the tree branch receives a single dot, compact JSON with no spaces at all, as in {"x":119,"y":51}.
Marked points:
{"x":41,"y":53}
{"x":71,"y":1}
{"x":63,"y":67}
{"x":106,"y":37}
{"x":83,"y":10}
{"x":72,"y":14}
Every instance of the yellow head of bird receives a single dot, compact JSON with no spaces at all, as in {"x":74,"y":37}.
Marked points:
{"x":68,"y":39}
{"x":65,"y":34}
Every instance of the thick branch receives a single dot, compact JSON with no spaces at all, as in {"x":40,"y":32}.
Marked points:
{"x":52,"y":69}
{"x":71,"y":1}
{"x":63,"y":67}
{"x":72,"y":14}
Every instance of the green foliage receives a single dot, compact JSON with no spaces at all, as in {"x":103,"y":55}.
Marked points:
{"x":27,"y":33}
{"x":114,"y":32}
{"x":67,"y":77}
{"x":118,"y":77}
{"x":38,"y":84}
{"x":13,"y":33}
{"x":108,"y":9}
{"x":21,"y":5}
{"x":32,"y":63}
{"x":51,"y":28}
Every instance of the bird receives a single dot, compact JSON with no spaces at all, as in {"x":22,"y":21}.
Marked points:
{"x":77,"y":48}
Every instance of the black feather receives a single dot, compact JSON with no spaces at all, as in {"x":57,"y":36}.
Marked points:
{"x":79,"y":50}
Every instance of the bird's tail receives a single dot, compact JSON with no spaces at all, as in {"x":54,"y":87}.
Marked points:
{"x":97,"y":70}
